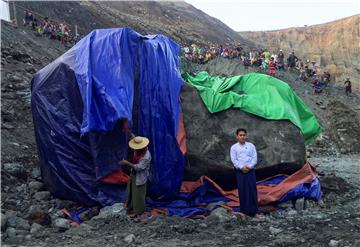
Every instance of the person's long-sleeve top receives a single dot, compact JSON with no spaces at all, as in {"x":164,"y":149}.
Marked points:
{"x":142,"y":169}
{"x":243,"y":154}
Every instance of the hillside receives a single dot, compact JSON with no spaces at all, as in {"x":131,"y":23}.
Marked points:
{"x":178,"y":20}
{"x":335,"y":46}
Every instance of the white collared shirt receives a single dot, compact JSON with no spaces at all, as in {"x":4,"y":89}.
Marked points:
{"x":243,"y":154}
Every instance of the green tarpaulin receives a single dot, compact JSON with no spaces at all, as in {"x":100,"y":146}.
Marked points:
{"x":259,"y":94}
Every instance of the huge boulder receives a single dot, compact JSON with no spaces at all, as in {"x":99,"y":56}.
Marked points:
{"x":280,"y":144}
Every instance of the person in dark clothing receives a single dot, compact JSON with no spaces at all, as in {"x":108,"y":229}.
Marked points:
{"x":347,"y":84}
{"x":292,"y":59}
{"x":246,"y":62}
{"x":317,"y":87}
{"x":244,"y":158}
{"x":280,"y":60}
{"x":26,"y":20}
{"x":35,"y":24}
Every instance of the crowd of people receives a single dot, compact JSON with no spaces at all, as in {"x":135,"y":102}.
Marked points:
{"x":262,"y":59}
{"x":265,"y":61}
{"x":50,"y":29}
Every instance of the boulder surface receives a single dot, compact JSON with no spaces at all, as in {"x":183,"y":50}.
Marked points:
{"x":279,"y":144}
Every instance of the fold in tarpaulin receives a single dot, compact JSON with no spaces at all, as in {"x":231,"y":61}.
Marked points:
{"x":115,"y":177}
{"x":194,"y":196}
{"x":258,"y":94}
{"x":81,"y":100}
{"x":160,"y":84}
{"x":181,"y":135}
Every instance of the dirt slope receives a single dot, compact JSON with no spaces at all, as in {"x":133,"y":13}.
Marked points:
{"x":178,"y":20}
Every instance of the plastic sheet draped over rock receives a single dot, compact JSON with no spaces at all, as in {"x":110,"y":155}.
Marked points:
{"x":259,"y":94}
{"x":79,"y":101}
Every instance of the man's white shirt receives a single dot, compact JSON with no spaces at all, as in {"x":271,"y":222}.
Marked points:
{"x":243,"y":154}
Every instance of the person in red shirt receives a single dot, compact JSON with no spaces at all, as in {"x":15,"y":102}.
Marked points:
{"x":272,"y":67}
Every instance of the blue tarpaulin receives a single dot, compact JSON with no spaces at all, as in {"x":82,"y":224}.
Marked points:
{"x":196,"y":202}
{"x":80,"y":100}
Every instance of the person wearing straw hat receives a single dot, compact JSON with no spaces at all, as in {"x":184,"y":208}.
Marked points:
{"x":140,"y":164}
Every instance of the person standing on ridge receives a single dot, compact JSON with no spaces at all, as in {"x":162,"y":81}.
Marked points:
{"x":292,"y":59}
{"x":347,"y":84}
{"x":244,"y":158}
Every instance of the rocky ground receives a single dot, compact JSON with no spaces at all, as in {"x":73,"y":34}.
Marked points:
{"x":31,"y":216}
{"x":334,"y":221}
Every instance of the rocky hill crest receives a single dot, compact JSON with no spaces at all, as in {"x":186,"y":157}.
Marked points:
{"x":335,"y":46}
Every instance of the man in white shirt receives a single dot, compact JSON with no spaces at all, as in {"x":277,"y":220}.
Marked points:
{"x":244,"y":158}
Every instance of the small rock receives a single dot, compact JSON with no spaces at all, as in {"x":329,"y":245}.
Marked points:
{"x":35,"y":228}
{"x":88,"y":214}
{"x":203,"y":225}
{"x":3,"y":222}
{"x":14,"y":78}
{"x":35,"y":186}
{"x":42,"y":196}
{"x":219,"y":215}
{"x":129,"y":238}
{"x":7,"y":126}
{"x":21,"y":189}
{"x":274,"y":231}
{"x":333,"y":243}
{"x":39,"y":216}
{"x":36,"y":173}
{"x":259,"y":218}
{"x":153,"y":235}
{"x":11,"y":232}
{"x":15,"y":144}
{"x":117,"y":209}
{"x":300,"y":204}
{"x":31,"y":70}
{"x":291,"y":212}
{"x":62,"y":224}
{"x":15,"y":169}
{"x":341,"y":130}
{"x":18,"y":223}
{"x":23,"y":225}
{"x":10,"y":213}
{"x":55,"y":213}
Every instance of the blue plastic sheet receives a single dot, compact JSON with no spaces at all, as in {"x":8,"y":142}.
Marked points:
{"x":104,"y":69}
{"x":194,"y":203}
{"x":160,"y":84}
{"x":80,"y":100}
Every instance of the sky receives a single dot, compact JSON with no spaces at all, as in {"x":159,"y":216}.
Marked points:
{"x":261,"y":15}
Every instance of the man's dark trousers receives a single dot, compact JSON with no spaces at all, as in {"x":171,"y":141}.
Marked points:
{"x":246,"y":183}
